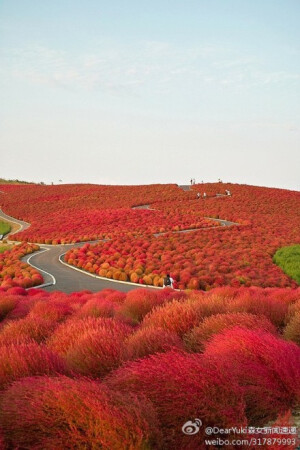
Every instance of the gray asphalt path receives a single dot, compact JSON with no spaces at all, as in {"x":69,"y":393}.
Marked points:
{"x":66,"y":278}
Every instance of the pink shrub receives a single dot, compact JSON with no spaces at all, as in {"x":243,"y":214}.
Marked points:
{"x":75,"y":414}
{"x":90,"y":346}
{"x":147,"y":341}
{"x":182,"y":387}
{"x":18,"y":361}
{"x":266,"y":367}
{"x":198,"y":336}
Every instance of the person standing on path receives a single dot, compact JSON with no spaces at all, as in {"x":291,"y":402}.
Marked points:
{"x":168,"y":281}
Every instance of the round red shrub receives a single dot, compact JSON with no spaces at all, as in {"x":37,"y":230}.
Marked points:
{"x":26,"y":330}
{"x":115,"y":297}
{"x":91,"y":346}
{"x":181,"y":316}
{"x":147,"y":341}
{"x":293,"y":309}
{"x":18,"y":361}
{"x":198,"y":336}
{"x":182,"y":387}
{"x":7,"y":304}
{"x":292,"y":331}
{"x":17,"y":291}
{"x":256,"y":301}
{"x":139,"y":302}
{"x":75,"y":414}
{"x":97,"y":307}
{"x":265,"y":366}
{"x":51,"y":309}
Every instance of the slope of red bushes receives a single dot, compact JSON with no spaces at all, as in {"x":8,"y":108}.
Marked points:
{"x":239,"y":255}
{"x":116,"y":370}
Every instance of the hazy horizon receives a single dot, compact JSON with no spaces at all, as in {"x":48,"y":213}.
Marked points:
{"x":145,"y":93}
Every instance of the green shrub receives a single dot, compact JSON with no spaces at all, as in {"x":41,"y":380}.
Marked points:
{"x":288,"y":258}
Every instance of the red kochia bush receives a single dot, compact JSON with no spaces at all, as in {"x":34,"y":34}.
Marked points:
{"x":51,"y":309}
{"x":257,"y":301}
{"x":90,"y":346}
{"x":26,"y":330}
{"x":48,"y":413}
{"x":18,"y":361}
{"x":150,"y":340}
{"x":293,"y":309}
{"x":7,"y":304}
{"x":182,"y":316}
{"x":182,"y":387}
{"x":139,"y":302}
{"x":292,"y":330}
{"x":196,"y":338}
{"x":97,"y":307}
{"x":268,"y":369}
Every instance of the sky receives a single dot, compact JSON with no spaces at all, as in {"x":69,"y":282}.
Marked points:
{"x":160,"y":91}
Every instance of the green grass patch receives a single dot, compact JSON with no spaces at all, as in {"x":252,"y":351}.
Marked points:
{"x":288,"y":258}
{"x":4,"y":247}
{"x":4,"y":228}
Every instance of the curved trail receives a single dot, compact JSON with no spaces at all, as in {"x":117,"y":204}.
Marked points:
{"x":58,"y":276}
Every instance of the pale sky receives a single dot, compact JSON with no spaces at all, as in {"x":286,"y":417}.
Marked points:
{"x":138,"y":92}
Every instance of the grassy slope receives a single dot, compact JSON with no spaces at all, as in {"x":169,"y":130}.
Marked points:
{"x":4,"y":228}
{"x":288,"y":258}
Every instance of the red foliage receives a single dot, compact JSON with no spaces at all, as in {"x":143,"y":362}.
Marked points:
{"x":97,"y":307}
{"x":267,"y":368}
{"x":26,"y":330}
{"x":64,"y":413}
{"x":198,"y":336}
{"x":148,"y":341}
{"x":240,"y":255}
{"x":52,"y":309}
{"x":91,"y":346}
{"x":292,"y":330}
{"x":15,"y":274}
{"x":181,"y":316}
{"x":18,"y":361}
{"x":139,"y":302}
{"x":272,"y":303}
{"x":7,"y":304}
{"x":182,"y":387}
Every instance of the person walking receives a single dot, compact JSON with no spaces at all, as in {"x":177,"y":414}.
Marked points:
{"x":168,"y":281}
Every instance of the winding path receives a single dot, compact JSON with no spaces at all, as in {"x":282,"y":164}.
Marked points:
{"x":58,"y":276}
